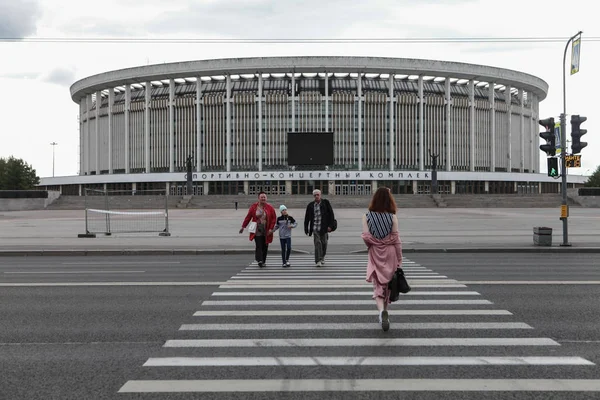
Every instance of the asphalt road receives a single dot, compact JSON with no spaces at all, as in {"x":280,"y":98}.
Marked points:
{"x":115,"y":327}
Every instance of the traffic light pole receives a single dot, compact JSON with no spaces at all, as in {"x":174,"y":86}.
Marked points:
{"x":563,"y":147}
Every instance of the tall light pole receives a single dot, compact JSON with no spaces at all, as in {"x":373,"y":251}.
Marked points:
{"x":53,"y":144}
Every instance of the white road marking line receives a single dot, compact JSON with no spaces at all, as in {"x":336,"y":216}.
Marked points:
{"x":362,"y":385}
{"x":297,"y":269}
{"x":334,"y":313}
{"x":66,"y":284}
{"x":330,"y":302}
{"x":239,"y":285}
{"x":353,"y":326}
{"x":86,"y":262}
{"x":326,"y":276}
{"x":531,"y":282}
{"x":356,"y":361}
{"x":342,"y":293}
{"x":73,"y":272}
{"x":250,"y":282}
{"x":367,"y":342}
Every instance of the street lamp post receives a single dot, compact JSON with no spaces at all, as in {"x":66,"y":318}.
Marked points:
{"x":53,"y":144}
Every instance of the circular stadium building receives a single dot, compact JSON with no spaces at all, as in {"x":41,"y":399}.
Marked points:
{"x":391,"y":122}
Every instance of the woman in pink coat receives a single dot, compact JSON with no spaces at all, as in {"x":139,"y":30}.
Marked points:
{"x":380,"y":234}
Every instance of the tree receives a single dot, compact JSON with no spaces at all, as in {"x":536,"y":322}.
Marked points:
{"x":16,"y":174}
{"x":594,"y":180}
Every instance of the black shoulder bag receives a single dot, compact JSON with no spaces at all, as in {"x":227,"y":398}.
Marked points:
{"x":398,"y":285}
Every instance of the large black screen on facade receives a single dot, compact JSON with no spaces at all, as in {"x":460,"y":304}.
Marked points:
{"x":310,"y":148}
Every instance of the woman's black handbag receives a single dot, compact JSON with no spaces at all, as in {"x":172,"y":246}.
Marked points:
{"x":398,"y":285}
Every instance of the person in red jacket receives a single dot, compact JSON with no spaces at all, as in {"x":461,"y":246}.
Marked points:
{"x":262,"y":215}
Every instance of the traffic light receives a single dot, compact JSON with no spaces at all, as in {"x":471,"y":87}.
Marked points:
{"x":548,"y":135}
{"x":577,"y":133}
{"x":553,"y":167}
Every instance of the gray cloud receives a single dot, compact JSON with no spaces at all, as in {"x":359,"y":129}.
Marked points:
{"x":18,"y":18}
{"x":59,"y":76}
{"x":269,"y":19}
{"x":91,"y":27}
{"x":20,"y":75}
{"x":308,"y":19}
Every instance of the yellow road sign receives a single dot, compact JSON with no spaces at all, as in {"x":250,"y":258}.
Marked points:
{"x":573,"y":161}
{"x":564,"y":211}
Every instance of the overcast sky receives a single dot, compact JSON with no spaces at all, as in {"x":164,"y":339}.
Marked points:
{"x":36,"y":107}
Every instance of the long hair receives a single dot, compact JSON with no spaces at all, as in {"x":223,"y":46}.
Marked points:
{"x":383,"y":201}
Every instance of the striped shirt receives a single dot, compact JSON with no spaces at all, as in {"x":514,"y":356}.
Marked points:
{"x":317,"y":218}
{"x":380,"y":224}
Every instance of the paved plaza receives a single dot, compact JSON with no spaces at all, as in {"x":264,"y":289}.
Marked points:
{"x":421,"y":229}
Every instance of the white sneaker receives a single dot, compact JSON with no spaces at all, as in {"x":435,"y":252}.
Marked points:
{"x":322,"y":262}
{"x":319,"y":264}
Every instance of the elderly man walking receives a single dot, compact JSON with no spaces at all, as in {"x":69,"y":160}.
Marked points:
{"x":318,"y":222}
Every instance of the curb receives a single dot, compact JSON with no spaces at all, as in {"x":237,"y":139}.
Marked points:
{"x":128,"y":252}
{"x":538,"y":250}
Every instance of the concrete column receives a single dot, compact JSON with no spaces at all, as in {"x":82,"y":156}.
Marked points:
{"x":228,"y":123}
{"x":487,"y":187}
{"x":452,"y":187}
{"x":492,"y":101}
{"x":331,"y":185}
{"x":508,"y":101}
{"x":167,"y":188}
{"x":87,"y":136}
{"x":198,"y":124}
{"x":448,"y":126}
{"x":79,"y":189}
{"x":288,"y":187}
{"x":373,"y":186}
{"x":111,"y":102}
{"x":391,"y":122}
{"x":133,"y":187}
{"x":293,"y":94}
{"x":414,"y":186}
{"x":205,"y":187}
{"x":522,"y":130}
{"x":326,"y":102}
{"x":532,"y":134}
{"x":171,"y":125}
{"x":360,"y":134}
{"x":247,"y":187}
{"x":421,"y":125}
{"x":127,"y":108}
{"x":97,"y":150}
{"x":82,"y":107}
{"x":260,"y":124}
{"x":472,"y":125}
{"x":147,"y":104}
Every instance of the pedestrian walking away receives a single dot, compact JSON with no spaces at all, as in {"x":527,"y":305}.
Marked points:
{"x":319,"y":220}
{"x":260,"y":220}
{"x":380,"y":234}
{"x":285,"y":224}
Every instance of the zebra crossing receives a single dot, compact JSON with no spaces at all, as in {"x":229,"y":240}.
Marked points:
{"x":273,"y":330}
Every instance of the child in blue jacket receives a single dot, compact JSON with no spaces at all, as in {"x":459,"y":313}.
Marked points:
{"x":285,"y":223}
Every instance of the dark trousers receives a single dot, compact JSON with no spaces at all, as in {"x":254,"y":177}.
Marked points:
{"x":320,"y":241}
{"x":261,"y":249}
{"x":286,"y":249}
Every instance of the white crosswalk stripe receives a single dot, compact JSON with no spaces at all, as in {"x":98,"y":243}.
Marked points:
{"x":308,"y":317}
